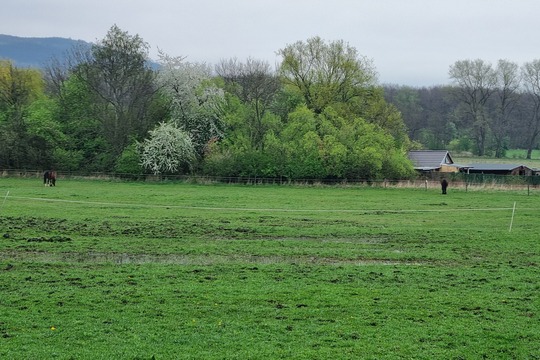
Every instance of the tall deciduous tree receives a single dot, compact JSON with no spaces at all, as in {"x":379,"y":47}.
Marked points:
{"x":118,"y":73}
{"x":196,"y":103}
{"x":507,"y":96}
{"x":87,"y":147}
{"x":326,"y":73}
{"x":407,"y":100}
{"x":256,"y":85}
{"x":334,"y":74}
{"x":19,"y":88}
{"x":475,"y":82}
{"x":531,"y":80}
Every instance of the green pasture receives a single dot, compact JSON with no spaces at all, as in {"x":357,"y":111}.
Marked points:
{"x":522,"y":154}
{"x":133,"y":270}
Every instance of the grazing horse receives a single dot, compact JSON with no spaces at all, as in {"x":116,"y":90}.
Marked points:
{"x":444,"y":186}
{"x":49,"y":178}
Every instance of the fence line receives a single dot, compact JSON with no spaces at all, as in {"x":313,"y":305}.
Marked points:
{"x":427,"y":181}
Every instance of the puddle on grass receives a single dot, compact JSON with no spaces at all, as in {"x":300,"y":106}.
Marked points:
{"x":179,"y":259}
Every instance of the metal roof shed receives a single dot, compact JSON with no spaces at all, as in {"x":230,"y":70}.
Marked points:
{"x":500,"y":169}
{"x":432,"y":160}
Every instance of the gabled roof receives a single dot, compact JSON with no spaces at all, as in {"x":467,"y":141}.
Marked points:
{"x":496,"y":167}
{"x":430,"y":159}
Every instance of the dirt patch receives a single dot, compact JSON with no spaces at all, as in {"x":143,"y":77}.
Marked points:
{"x":179,"y":259}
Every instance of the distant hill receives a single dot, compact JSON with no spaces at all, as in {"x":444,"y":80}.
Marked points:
{"x":35,"y":52}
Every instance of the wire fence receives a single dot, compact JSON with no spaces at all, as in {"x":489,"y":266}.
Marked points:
{"x":424,"y":181}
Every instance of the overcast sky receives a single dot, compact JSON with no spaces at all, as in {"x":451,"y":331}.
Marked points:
{"x":411,"y":42}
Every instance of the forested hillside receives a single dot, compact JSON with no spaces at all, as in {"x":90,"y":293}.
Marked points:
{"x":35,"y":52}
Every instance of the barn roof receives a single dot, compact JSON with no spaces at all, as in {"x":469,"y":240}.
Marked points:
{"x":496,"y":167}
{"x":430,"y":159}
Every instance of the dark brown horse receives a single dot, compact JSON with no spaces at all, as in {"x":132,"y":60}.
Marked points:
{"x":444,"y":186}
{"x":49,"y":178}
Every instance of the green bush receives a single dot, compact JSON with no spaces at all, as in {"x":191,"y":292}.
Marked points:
{"x":129,"y":162}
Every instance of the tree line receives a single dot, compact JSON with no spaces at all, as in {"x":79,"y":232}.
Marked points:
{"x":486,"y":111}
{"x":103,"y":108}
{"x":320,"y":114}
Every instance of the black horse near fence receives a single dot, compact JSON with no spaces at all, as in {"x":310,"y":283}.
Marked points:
{"x":49,"y":178}
{"x":444,"y":186}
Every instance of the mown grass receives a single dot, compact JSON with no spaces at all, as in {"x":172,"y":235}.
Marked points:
{"x":522,"y":154}
{"x":101,"y":270}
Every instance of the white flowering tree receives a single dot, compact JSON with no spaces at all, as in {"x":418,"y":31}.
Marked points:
{"x":167,"y":150}
{"x":196,"y":103}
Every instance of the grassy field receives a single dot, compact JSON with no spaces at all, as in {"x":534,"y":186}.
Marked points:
{"x":522,"y":154}
{"x":120,"y":270}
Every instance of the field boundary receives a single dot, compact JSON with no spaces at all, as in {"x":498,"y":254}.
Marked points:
{"x":468,"y":182}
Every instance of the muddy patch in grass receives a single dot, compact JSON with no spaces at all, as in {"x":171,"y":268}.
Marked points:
{"x":179,"y":259}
